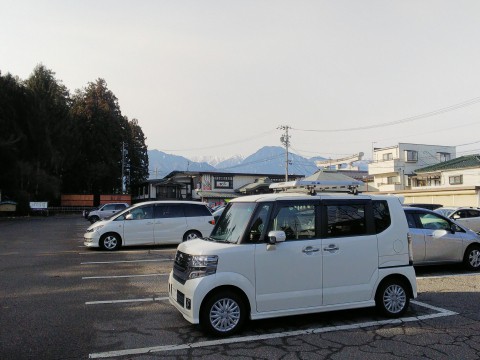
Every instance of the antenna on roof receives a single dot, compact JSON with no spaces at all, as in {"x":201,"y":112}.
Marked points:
{"x":350,"y":186}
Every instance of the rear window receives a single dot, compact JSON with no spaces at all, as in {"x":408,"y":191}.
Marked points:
{"x":346,"y":220}
{"x":168,"y":211}
{"x":381,"y":215}
{"x":192,"y":210}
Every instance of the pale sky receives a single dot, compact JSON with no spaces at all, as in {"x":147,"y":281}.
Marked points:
{"x":217,"y":78}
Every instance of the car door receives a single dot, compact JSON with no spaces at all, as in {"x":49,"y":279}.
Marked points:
{"x":418,"y":237}
{"x":288,"y":275}
{"x":473,"y":219}
{"x":441,"y":243}
{"x":138,"y":226}
{"x":170,"y":223}
{"x":350,"y":252}
{"x":199,"y":218}
{"x":462,"y":217}
{"x":107,"y":211}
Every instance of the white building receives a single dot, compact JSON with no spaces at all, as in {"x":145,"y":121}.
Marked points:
{"x":393,"y":167}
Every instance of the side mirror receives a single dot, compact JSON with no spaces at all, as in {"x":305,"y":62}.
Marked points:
{"x":453,"y":228}
{"x":129,"y":217}
{"x":456,"y":216}
{"x":276,"y":237}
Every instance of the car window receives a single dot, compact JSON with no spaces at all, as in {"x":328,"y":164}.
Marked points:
{"x":120,"y":206}
{"x":473,"y":213}
{"x":108,"y":208}
{"x":346,"y":220}
{"x":259,"y":223}
{"x":196,"y":210}
{"x":297,"y":221}
{"x":169,"y":211}
{"x":411,"y":220}
{"x":141,"y":213}
{"x":433,"y":222}
{"x":381,"y":215}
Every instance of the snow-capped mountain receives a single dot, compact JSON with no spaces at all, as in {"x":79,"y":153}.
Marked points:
{"x":267,"y":160}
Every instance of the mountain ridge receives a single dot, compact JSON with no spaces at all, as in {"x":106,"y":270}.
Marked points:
{"x":266,"y":160}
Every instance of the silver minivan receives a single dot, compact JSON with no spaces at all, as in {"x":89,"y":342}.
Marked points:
{"x":152,"y":222}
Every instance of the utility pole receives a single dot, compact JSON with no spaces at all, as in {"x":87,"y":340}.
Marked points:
{"x":285,"y":140}
{"x":123,"y":168}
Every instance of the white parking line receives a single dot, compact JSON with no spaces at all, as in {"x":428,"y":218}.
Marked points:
{"x":94,"y":252}
{"x":200,"y":344}
{"x":120,"y":276}
{"x":122,"y":261}
{"x":125,"y":301}
{"x":446,"y":276}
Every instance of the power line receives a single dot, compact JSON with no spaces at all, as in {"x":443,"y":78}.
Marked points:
{"x":401,"y":121}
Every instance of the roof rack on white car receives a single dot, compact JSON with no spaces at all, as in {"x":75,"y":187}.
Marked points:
{"x":350,"y":186}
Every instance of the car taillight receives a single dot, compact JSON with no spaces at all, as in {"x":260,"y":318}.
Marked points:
{"x":212,"y":222}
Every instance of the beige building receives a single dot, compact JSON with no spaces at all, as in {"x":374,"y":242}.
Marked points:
{"x":450,"y":183}
{"x":393,"y":167}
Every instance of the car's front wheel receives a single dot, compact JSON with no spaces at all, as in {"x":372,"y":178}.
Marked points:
{"x":392,"y":298}
{"x":223,"y":313}
{"x":110,"y":242}
{"x":471,"y":260}
{"x":190,"y":235}
{"x":93,"y":219}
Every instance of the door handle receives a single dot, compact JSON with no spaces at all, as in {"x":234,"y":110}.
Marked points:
{"x":331,"y":248}
{"x":310,"y":249}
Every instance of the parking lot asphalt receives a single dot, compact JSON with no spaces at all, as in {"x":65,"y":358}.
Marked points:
{"x":60,"y":300}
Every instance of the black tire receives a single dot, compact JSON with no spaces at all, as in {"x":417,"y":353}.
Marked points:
{"x":192,"y":234}
{"x":110,"y":242}
{"x":392,"y":298}
{"x":223,"y":314}
{"x":93,"y":219}
{"x":471,"y":259}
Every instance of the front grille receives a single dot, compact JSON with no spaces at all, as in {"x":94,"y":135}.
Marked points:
{"x":180,"y":267}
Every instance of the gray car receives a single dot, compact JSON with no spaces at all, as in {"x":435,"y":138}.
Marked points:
{"x":466,"y":216}
{"x":439,"y":240}
{"x":105,"y":211}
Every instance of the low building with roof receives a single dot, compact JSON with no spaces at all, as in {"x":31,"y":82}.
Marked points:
{"x":214,"y":188}
{"x":454,"y":182}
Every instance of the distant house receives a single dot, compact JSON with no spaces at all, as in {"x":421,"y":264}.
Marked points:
{"x":452,"y":183}
{"x":393,"y":167}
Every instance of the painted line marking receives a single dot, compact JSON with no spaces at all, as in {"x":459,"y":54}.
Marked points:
{"x":125,"y":301}
{"x":201,"y":344}
{"x":95,"y":251}
{"x":120,"y":276}
{"x":122,"y":261}
{"x":446,"y":276}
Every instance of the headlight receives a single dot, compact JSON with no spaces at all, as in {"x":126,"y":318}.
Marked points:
{"x":94,"y":228}
{"x":201,"y":265}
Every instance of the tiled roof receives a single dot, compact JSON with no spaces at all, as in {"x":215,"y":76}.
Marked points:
{"x":463,"y":162}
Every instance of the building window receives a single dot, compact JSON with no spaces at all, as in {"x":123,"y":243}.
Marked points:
{"x":442,"y":156}
{"x":391,"y":180}
{"x":387,"y":157}
{"x":411,"y":155}
{"x":455,"y":180}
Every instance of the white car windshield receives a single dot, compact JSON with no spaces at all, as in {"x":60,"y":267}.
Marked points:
{"x":445,"y":212}
{"x":233,"y":222}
